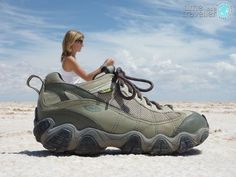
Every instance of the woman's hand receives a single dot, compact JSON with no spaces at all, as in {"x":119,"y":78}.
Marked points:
{"x":108,"y":62}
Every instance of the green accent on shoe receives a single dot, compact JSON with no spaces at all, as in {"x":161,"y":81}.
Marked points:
{"x":107,"y":90}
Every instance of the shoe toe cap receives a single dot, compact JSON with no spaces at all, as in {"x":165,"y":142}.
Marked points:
{"x":193,"y":123}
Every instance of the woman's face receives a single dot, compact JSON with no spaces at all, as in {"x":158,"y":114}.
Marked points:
{"x":78,"y":44}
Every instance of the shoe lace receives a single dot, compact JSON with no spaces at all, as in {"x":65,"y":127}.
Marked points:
{"x":121,"y":78}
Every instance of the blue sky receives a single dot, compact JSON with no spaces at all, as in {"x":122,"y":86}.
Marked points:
{"x":187,"y":58}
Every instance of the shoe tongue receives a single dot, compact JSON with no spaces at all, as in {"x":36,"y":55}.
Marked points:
{"x":102,"y":83}
{"x":99,"y":75}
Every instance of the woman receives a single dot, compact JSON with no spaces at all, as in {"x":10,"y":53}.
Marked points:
{"x":72,"y":72}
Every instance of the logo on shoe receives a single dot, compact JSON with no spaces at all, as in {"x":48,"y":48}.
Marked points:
{"x":92,"y":108}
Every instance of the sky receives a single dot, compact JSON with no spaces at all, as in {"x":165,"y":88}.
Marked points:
{"x":188,"y":56}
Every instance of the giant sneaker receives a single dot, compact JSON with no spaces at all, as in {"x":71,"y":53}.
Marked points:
{"x":111,"y":111}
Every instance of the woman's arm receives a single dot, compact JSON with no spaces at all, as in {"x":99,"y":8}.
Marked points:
{"x":72,"y":65}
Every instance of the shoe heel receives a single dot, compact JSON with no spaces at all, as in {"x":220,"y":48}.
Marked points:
{"x":53,"y":138}
{"x":59,"y":140}
{"x":41,"y":127}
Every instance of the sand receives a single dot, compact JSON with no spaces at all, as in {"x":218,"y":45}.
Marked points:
{"x":22,"y":156}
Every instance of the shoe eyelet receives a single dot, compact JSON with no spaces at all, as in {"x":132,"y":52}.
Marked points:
{"x":122,"y":85}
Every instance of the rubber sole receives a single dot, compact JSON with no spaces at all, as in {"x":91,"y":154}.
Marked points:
{"x":90,"y":141}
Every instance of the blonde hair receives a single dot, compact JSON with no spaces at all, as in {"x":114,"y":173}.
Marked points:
{"x":69,"y":39}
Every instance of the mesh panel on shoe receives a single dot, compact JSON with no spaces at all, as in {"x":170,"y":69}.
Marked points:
{"x":106,"y":97}
{"x":128,"y":106}
{"x":150,"y":115}
{"x":114,"y":99}
{"x":132,"y":107}
{"x":147,"y":114}
{"x":174,"y":115}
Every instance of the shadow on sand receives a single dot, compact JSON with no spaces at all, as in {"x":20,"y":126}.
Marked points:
{"x":45,"y":153}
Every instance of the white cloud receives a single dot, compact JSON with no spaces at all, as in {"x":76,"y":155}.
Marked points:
{"x":212,"y":25}
{"x":233,"y":58}
{"x":225,"y":67}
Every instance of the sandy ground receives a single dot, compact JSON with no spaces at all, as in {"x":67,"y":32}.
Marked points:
{"x":22,"y":156}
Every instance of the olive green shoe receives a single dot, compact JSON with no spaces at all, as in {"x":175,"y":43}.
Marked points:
{"x":111,"y":111}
